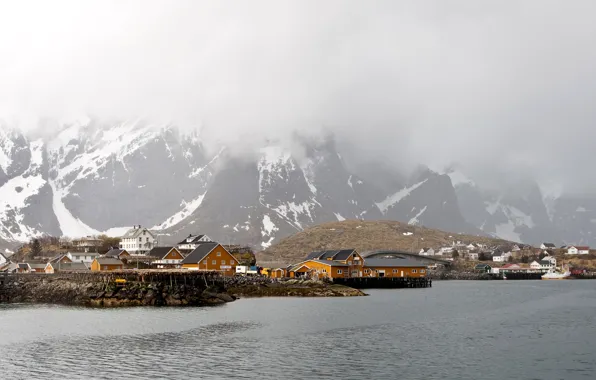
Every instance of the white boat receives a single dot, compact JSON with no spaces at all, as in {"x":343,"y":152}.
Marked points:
{"x":553,"y":274}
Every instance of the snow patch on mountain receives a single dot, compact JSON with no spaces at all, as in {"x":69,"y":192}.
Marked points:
{"x":414,"y":220}
{"x":339,"y":217}
{"x":291,"y":212}
{"x":516,"y":216}
{"x":268,"y":231}
{"x":69,"y":225}
{"x":187,"y":209}
{"x":507,"y":231}
{"x":398,"y":196}
{"x":6,"y":148}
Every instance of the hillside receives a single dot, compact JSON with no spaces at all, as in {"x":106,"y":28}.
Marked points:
{"x":363,"y":236}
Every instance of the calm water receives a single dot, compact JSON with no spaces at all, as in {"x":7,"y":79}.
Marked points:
{"x":456,"y":330}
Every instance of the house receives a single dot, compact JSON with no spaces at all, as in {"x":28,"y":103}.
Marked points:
{"x":578,"y":250}
{"x":167,"y":257}
{"x":445,"y":251}
{"x":41,"y":268}
{"x":117,"y":253}
{"x":82,"y":257}
{"x":548,"y":246}
{"x":472,"y":256}
{"x":138,"y":241}
{"x":78,"y":267}
{"x":350,"y":257}
{"x":88,"y":242}
{"x":485,"y":268}
{"x":393,"y":267}
{"x":427,"y":252}
{"x":548,"y":262}
{"x":515,"y":248}
{"x":535,"y":265}
{"x":501,"y":257}
{"x":106,"y":264}
{"x":192,"y":242}
{"x":62,"y":258}
{"x":314,"y":268}
{"x":9,"y":267}
{"x":211,"y":257}
{"x":278,"y":273}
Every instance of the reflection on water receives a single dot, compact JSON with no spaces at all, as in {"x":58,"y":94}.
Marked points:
{"x":456,"y":330}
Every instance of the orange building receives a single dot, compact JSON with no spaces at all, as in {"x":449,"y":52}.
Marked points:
{"x":393,"y":267}
{"x":106,"y":264}
{"x":167,"y":257}
{"x":320,"y":269}
{"x":350,"y":257}
{"x":211,"y":256}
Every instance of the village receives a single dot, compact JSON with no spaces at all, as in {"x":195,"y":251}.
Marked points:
{"x":138,"y":249}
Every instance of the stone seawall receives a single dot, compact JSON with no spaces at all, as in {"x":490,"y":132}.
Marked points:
{"x":153,"y":288}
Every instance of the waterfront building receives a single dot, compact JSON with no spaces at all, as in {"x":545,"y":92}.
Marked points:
{"x":211,"y":256}
{"x":393,"y":267}
{"x":138,"y":241}
{"x":482,"y":267}
{"x":167,"y":257}
{"x":192,"y":242}
{"x":106,"y":264}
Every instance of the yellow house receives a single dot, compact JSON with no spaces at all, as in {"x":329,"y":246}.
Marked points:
{"x":211,"y":256}
{"x":393,"y":267}
{"x":106,"y":264}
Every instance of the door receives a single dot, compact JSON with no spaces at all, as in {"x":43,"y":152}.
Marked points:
{"x":381,"y":273}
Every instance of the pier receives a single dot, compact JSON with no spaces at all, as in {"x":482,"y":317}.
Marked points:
{"x":384,"y":282}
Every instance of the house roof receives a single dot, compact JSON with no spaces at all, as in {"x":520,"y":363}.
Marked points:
{"x":336,"y":254}
{"x":193,"y":239}
{"x":580,"y":248}
{"x":199,"y":253}
{"x":426,"y":249}
{"x":38,"y":265}
{"x":481,"y":266}
{"x":71,"y":266}
{"x":392,"y":262}
{"x":135,"y":233}
{"x":1,"y":255}
{"x":160,"y":252}
{"x":545,"y":262}
{"x":115,"y":252}
{"x":108,"y":261}
{"x":23,"y":265}
{"x":82,"y":253}
{"x":55,"y":259}
{"x":549,"y":245}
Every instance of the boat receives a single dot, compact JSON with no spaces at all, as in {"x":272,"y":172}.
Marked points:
{"x":553,"y":274}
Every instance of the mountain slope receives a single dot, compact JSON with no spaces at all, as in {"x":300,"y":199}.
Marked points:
{"x":363,"y":236}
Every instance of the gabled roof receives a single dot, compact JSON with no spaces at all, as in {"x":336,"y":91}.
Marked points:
{"x":193,"y":239}
{"x":115,"y":252}
{"x":108,"y":261}
{"x":135,"y":232}
{"x":55,"y":259}
{"x":393,"y":262}
{"x":161,"y":252}
{"x":81,"y":253}
{"x":24,"y":266}
{"x":78,"y":266}
{"x":545,"y":262}
{"x":549,"y":245}
{"x":199,"y":253}
{"x":481,"y":266}
{"x":580,"y":248}
{"x":336,"y":254}
{"x":1,"y":255}
{"x":38,"y":265}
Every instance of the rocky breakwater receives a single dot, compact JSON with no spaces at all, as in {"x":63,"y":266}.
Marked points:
{"x":139,"y":289}
{"x":265,"y":287}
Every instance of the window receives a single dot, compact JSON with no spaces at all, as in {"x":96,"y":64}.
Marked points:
{"x":205,"y":262}
{"x":324,"y":270}
{"x":413,"y":270}
{"x":339,"y":271}
{"x":218,"y":254}
{"x":349,"y":262}
{"x":367,"y":271}
{"x":395,"y":271}
{"x":214,"y":262}
{"x":105,"y":267}
{"x":422,"y":271}
{"x":223,"y":262}
{"x":141,"y":239}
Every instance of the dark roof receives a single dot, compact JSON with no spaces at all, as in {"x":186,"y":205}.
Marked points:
{"x":192,"y":239}
{"x":545,"y":262}
{"x":37,"y":265}
{"x":71,"y":266}
{"x":114,"y":252}
{"x":331,"y":263}
{"x":550,"y":245}
{"x":159,"y":252}
{"x":55,"y":259}
{"x":378,"y":262}
{"x":199,"y":253}
{"x":481,"y":266}
{"x":23,"y":265}
{"x":108,"y":261}
{"x":336,"y":254}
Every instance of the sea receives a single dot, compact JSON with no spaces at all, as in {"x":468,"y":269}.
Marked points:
{"x":454,"y":330}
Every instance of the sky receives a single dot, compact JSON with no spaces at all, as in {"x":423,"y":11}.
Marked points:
{"x":505,"y":86}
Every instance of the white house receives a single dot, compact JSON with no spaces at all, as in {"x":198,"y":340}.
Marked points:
{"x":535,"y":265}
{"x":503,"y":257}
{"x":445,"y":250}
{"x":548,"y":262}
{"x":515,"y":248}
{"x":192,"y":242}
{"x":427,"y":252}
{"x":82,"y":257}
{"x":138,"y":241}
{"x":548,"y":246}
{"x":472,"y":256}
{"x":578,"y":250}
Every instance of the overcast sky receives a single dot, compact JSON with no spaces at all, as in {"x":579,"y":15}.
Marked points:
{"x":490,"y":84}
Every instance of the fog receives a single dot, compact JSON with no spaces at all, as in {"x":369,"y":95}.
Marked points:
{"x":495,"y":86}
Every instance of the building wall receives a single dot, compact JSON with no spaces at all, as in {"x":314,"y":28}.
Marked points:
{"x":217,"y":260}
{"x":174,"y":254}
{"x":96,"y":267}
{"x":389,"y":271}
{"x":324,"y":270}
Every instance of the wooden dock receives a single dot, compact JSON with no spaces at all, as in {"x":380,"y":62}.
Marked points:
{"x":384,"y":282}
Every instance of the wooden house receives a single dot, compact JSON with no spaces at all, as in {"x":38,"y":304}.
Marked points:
{"x":106,"y":264}
{"x":117,"y":253}
{"x":320,"y":269}
{"x":41,"y":268}
{"x":60,"y":259}
{"x":350,"y":257}
{"x":167,"y":257}
{"x":393,"y":267}
{"x":211,"y":256}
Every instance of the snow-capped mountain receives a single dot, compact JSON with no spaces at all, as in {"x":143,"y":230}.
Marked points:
{"x":94,"y":176}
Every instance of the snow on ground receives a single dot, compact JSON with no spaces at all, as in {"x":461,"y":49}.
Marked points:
{"x":187,"y":209}
{"x":309,"y":175}
{"x":507,"y":231}
{"x":268,"y":226}
{"x":415,"y":220}
{"x":69,"y":225}
{"x":350,"y":182}
{"x":6,"y":147}
{"x":339,"y":217}
{"x":292,"y":211}
{"x":397,"y":197}
{"x":274,"y":160}
{"x":408,"y":233}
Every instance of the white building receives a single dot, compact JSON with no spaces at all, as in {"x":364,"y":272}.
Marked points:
{"x":138,"y":241}
{"x":548,"y":246}
{"x":446,"y":250}
{"x":503,"y":257}
{"x":578,"y":250}
{"x":535,"y":265}
{"x":192,"y":242}
{"x":472,"y":256}
{"x":427,"y":252}
{"x":82,"y":257}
